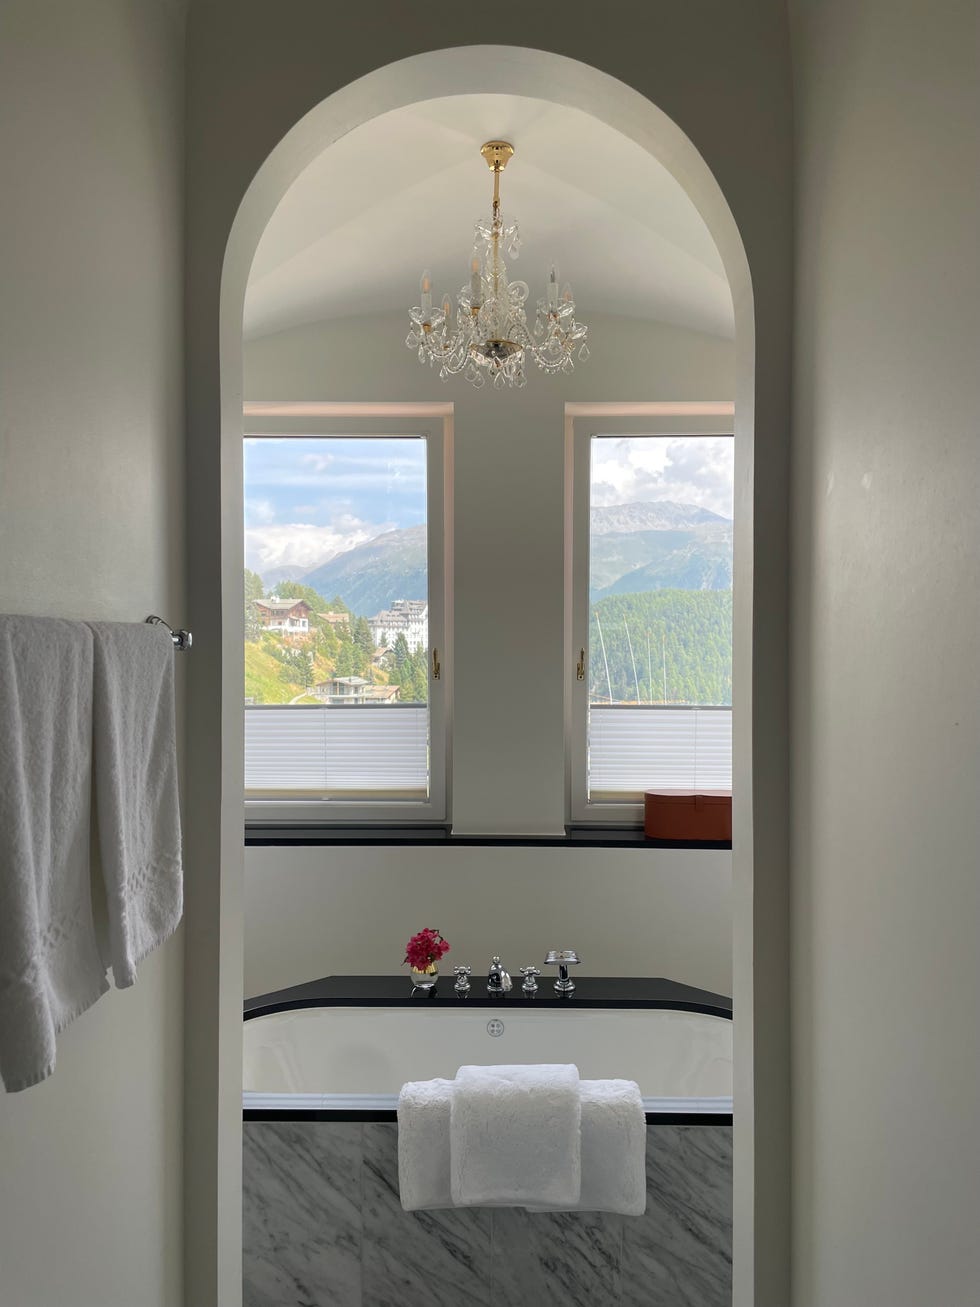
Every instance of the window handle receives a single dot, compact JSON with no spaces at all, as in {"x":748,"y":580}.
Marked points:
{"x":436,"y":665}
{"x":580,"y":666}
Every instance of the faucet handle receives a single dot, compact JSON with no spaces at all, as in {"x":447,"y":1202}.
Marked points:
{"x":530,"y":975}
{"x":462,"y":979}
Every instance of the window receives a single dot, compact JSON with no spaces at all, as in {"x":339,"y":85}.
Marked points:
{"x":649,"y":622}
{"x":345,"y":617}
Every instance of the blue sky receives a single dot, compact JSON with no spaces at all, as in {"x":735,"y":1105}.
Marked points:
{"x":308,"y":499}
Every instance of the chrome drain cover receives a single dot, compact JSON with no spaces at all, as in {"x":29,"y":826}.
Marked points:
{"x":495,"y":1028}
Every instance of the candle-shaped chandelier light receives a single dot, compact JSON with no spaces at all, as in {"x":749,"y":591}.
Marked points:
{"x":487,"y":333}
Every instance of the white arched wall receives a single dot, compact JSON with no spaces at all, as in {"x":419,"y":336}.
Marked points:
{"x":214,"y":909}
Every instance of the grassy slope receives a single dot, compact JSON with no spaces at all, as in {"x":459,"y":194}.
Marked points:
{"x":263,"y":678}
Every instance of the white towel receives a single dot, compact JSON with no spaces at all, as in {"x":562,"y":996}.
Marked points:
{"x":515,"y":1136}
{"x":136,"y":789}
{"x":614,"y":1137}
{"x":50,"y":968}
{"x":423,"y":1144}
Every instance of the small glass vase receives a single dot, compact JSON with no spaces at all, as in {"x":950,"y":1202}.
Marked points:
{"x":425,"y":980}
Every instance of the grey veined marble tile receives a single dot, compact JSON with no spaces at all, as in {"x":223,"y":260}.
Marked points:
{"x":572,"y":1258}
{"x":302,"y":1218}
{"x":417,"y":1259}
{"x":680,"y":1253}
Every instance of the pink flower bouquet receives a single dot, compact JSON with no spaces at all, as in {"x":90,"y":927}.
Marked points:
{"x":423,"y":951}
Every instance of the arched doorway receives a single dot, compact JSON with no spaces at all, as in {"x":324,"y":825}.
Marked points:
{"x":544,"y":75}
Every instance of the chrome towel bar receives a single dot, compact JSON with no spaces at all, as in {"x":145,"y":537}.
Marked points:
{"x":182,"y":639}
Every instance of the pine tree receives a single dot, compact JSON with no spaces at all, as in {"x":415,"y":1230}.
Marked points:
{"x":253,"y":591}
{"x":401,"y":651}
{"x":345,"y":664}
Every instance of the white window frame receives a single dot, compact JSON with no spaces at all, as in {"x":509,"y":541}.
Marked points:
{"x":434,"y":422}
{"x":582,"y":422}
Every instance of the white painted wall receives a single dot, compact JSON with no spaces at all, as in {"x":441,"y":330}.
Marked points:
{"x":326,"y":911}
{"x":311,"y":912}
{"x":886,"y":737}
{"x":91,"y":493}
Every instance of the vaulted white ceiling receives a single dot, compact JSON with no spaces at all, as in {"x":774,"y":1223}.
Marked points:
{"x":401,"y":192}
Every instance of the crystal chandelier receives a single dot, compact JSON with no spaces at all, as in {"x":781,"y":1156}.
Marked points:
{"x":487,"y":333}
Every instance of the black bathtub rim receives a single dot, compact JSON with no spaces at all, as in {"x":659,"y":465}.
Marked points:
{"x":593,"y":993}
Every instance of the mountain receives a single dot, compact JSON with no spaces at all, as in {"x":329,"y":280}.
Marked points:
{"x":657,"y":546}
{"x":635,"y":547}
{"x":271,"y":576}
{"x":660,"y":515}
{"x":697,"y":565}
{"x":371,"y":576}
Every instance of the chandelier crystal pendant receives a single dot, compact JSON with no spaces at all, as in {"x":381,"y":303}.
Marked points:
{"x":486,"y":334}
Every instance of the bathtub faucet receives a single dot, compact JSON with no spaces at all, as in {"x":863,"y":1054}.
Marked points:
{"x":498,"y":979}
{"x":563,"y":959}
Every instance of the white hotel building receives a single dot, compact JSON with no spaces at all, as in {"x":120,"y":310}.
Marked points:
{"x":407,"y":617}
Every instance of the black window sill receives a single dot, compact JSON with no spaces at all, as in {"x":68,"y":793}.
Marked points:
{"x":259,"y":835}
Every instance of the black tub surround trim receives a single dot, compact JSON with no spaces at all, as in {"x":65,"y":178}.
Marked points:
{"x":265,"y":834}
{"x":329,"y":1114}
{"x":592,"y":993}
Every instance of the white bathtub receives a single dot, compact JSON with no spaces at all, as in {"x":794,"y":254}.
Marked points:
{"x":351,"y":1057}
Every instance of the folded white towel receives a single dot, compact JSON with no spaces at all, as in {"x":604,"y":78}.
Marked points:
{"x":515,"y":1136}
{"x":614,"y":1136}
{"x":423,"y":1144}
{"x":50,"y":968}
{"x":136,"y":789}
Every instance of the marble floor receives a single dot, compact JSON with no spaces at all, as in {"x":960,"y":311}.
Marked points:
{"x":323,"y":1227}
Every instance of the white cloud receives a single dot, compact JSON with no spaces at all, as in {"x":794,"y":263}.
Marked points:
{"x":315,"y":464}
{"x":303,"y":545}
{"x":645,"y":469}
{"x":260,"y":510}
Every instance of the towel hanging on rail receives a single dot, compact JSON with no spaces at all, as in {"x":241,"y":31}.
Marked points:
{"x":71,"y":692}
{"x":50,"y":968}
{"x":135,"y":755}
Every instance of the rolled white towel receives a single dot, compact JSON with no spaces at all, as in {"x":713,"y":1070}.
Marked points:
{"x":423,"y":1144}
{"x":515,"y":1136}
{"x":614,"y":1136}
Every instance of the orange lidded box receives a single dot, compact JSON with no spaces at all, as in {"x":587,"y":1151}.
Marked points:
{"x":705,"y":815}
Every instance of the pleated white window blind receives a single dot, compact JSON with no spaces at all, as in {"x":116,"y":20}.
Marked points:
{"x":350,"y":752}
{"x":637,"y":748}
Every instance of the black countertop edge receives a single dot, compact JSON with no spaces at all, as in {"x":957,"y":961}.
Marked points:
{"x":592,"y":993}
{"x":320,"y":1114}
{"x":260,"y":835}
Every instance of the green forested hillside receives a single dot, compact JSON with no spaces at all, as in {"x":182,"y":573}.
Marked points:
{"x":681,"y":637}
{"x":660,"y":646}
{"x":282,"y":669}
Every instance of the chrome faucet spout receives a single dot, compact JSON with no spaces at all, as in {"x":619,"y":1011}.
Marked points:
{"x":498,"y":978}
